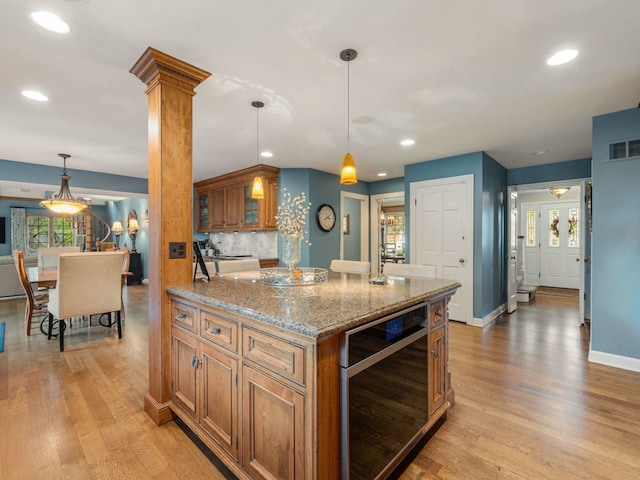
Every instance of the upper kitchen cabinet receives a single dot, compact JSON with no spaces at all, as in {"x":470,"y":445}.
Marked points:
{"x":224,"y":203}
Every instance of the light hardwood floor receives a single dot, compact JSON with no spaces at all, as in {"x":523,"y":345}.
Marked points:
{"x":528,"y":405}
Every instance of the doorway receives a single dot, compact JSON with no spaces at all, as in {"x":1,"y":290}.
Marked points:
{"x":354,"y":226}
{"x":553,"y":247}
{"x":383,"y":205}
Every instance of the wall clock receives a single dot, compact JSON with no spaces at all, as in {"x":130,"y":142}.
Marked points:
{"x":326,"y":217}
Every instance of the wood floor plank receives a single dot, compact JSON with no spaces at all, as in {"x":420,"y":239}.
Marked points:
{"x":528,"y":405}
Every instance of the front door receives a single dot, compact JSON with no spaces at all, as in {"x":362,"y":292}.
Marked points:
{"x":559,"y":246}
{"x":442,"y":236}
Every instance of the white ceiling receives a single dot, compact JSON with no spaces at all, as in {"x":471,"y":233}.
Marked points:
{"x":457,"y":76}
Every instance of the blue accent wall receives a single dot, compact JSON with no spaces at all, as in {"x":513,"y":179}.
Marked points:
{"x":549,"y":172}
{"x":34,"y":173}
{"x":120,"y":211}
{"x":615,"y":307}
{"x":490,"y":179}
{"x":391,"y":185}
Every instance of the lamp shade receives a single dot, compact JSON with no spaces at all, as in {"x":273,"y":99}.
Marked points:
{"x":257,"y":190}
{"x":117,"y":227}
{"x":133,"y":225}
{"x":348,"y":172}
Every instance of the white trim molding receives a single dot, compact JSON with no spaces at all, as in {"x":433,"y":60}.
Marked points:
{"x":613,"y":360}
{"x":487,"y":319}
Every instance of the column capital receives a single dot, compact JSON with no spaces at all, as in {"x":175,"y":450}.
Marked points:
{"x":155,"y":67}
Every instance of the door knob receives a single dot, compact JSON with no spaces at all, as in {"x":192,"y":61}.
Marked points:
{"x":577,"y":259}
{"x":461,"y":260}
{"x":587,"y":261}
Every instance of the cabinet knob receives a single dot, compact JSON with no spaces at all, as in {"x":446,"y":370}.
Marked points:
{"x":181,"y":316}
{"x":215,"y":331}
{"x":435,"y":353}
{"x":439,"y":313}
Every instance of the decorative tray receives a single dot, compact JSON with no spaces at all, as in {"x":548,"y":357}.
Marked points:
{"x":283,"y":277}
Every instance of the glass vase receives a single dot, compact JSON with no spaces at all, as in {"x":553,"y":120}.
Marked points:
{"x":291,"y":250}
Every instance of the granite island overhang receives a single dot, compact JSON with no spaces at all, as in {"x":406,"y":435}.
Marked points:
{"x":256,"y":370}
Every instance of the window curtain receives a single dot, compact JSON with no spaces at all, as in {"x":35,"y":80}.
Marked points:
{"x":18,"y":229}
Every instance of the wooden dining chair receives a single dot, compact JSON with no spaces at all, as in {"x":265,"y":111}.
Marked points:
{"x":350,"y":266}
{"x":36,"y":305}
{"x":232,"y":266}
{"x":87,"y":285}
{"x":126,"y":260}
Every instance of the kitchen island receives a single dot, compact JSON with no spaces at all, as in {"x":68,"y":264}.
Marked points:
{"x":273,"y":378}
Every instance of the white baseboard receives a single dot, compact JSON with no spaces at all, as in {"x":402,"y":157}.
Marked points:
{"x":612,"y":360}
{"x":487,"y":319}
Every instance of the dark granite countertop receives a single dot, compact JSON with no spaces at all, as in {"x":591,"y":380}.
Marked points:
{"x":345,"y":301}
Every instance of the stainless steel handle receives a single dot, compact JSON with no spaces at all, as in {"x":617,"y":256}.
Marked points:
{"x":461,"y":260}
{"x":215,"y":331}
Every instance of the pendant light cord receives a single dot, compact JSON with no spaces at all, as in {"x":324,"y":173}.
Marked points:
{"x":257,"y":135}
{"x":348,"y":109}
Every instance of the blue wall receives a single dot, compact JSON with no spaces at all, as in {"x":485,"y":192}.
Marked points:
{"x":120,"y":211}
{"x":550,"y":172}
{"x":615,"y":307}
{"x":32,"y":173}
{"x":471,"y":163}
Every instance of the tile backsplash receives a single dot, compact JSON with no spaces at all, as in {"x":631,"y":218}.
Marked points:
{"x":259,"y":244}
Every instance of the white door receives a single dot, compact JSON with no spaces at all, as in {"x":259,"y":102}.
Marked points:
{"x":530,"y":216}
{"x":512,"y":288}
{"x":560,"y":264}
{"x":442,"y":236}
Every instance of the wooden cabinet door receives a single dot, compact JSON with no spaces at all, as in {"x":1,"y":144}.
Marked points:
{"x":203,"y":206}
{"x":273,"y":428}
{"x":217,"y":209}
{"x":232,"y":206}
{"x":270,"y":202}
{"x":184,"y":352}
{"x":250,"y":207}
{"x":219,"y":395}
{"x":437,"y":369}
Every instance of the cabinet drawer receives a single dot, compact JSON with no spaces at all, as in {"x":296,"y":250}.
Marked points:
{"x":277,"y":355}
{"x":219,"y":330}
{"x":437,"y":314}
{"x":184,"y":315}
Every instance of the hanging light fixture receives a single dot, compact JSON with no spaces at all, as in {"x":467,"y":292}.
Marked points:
{"x":257,"y":190}
{"x":63,"y":202}
{"x":558,"y":192}
{"x":348,"y":172}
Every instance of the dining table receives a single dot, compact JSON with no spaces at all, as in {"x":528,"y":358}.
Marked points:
{"x":43,"y":277}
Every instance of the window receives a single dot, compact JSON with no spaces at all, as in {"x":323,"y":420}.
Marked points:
{"x":572,"y":232}
{"x":554,"y":233}
{"x":395,"y":231}
{"x":531,"y":228}
{"x":49,"y":231}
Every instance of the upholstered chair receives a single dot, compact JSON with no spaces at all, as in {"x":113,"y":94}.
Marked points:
{"x":87,"y":284}
{"x":350,"y":266}
{"x":232,"y":266}
{"x":48,"y":256}
{"x":410,"y":270}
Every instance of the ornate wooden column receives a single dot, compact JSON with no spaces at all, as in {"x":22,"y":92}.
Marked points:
{"x":171,"y":84}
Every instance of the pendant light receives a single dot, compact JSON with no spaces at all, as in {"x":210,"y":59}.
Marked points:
{"x":63,"y":202}
{"x":348,"y":172}
{"x":257,"y":189}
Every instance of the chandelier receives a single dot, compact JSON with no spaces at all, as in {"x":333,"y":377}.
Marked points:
{"x":63,"y":202}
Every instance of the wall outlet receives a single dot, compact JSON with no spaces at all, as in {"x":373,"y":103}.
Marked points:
{"x":177,"y":250}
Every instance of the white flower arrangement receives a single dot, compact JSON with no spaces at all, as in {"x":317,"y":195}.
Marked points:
{"x":292,"y":215}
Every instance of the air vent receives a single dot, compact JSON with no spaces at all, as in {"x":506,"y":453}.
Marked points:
{"x":625,"y":150}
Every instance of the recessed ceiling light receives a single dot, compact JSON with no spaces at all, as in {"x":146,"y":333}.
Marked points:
{"x":407,"y":142}
{"x":50,"y":21}
{"x":539,"y":152}
{"x":33,"y":95}
{"x":563,"y":56}
{"x":382,"y":174}
{"x":266,"y":154}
